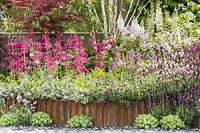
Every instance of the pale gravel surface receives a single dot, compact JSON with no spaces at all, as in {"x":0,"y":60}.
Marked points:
{"x":90,"y":130}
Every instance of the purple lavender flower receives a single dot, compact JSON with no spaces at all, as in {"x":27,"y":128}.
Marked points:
{"x":120,"y":62}
{"x":113,"y":66}
{"x":131,"y":54}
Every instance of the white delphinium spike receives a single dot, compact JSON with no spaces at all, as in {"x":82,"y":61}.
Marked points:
{"x":159,"y":17}
{"x":120,"y":23}
{"x":136,"y":28}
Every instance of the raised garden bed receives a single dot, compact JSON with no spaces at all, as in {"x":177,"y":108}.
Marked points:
{"x":197,"y":125}
{"x":103,"y":114}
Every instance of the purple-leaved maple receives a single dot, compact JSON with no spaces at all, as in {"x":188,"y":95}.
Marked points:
{"x":45,"y":15}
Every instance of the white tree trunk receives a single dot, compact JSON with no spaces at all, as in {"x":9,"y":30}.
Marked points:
{"x":104,"y":18}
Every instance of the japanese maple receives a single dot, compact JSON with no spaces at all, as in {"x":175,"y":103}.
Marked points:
{"x":42,"y":15}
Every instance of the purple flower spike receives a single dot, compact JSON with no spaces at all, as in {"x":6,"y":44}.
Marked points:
{"x":113,"y":66}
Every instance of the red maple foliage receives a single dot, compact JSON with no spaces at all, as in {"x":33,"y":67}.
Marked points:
{"x":41,"y":11}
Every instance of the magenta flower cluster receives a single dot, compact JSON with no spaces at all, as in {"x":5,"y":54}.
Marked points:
{"x":24,"y":56}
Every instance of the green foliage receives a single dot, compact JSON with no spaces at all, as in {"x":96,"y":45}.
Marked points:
{"x":187,"y":114}
{"x":81,"y":81}
{"x":81,"y":8}
{"x":21,"y":110}
{"x":2,"y":104}
{"x":97,"y":73}
{"x":80,"y":121}
{"x":3,"y":1}
{"x":197,"y":106}
{"x":96,"y":86}
{"x":9,"y":119}
{"x":6,"y":25}
{"x":171,"y":23}
{"x":183,"y":6}
{"x":2,"y":78}
{"x":160,"y":111}
{"x":40,"y":119}
{"x":23,"y":113}
{"x":146,"y":121}
{"x":171,"y":122}
{"x":132,"y":45}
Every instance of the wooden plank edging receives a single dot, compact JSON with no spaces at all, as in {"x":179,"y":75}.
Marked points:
{"x":104,"y":114}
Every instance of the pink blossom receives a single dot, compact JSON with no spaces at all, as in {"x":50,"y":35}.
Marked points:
{"x":93,"y":33}
{"x":48,"y":58}
{"x":34,"y":63}
{"x":98,"y":64}
{"x":50,"y":66}
{"x":63,"y":64}
{"x":47,"y":46}
{"x":60,"y":53}
{"x":30,"y":35}
{"x":110,"y":40}
{"x":115,"y":54}
{"x":99,"y":54}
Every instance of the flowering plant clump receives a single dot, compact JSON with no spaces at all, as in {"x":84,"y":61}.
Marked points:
{"x":29,"y":55}
{"x":20,"y":111}
{"x":174,"y":66}
{"x":189,"y":96}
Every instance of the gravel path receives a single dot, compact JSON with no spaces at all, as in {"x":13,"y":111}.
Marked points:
{"x":90,"y":130}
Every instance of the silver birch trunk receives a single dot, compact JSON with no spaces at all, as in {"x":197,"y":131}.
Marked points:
{"x":104,"y":18}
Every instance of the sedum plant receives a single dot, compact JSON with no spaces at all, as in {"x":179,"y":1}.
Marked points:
{"x":78,"y":121}
{"x":40,"y":119}
{"x":9,"y":119}
{"x":146,"y":121}
{"x":171,"y":122}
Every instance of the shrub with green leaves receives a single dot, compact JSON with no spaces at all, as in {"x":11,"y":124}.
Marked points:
{"x":187,"y":114}
{"x":40,"y":119}
{"x":80,"y":121}
{"x":9,"y":119}
{"x":146,"y":121}
{"x":171,"y":122}
{"x":160,"y":111}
